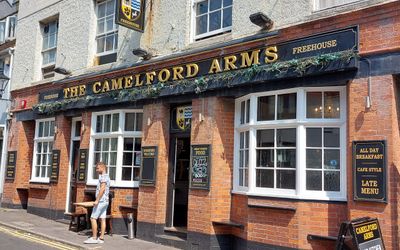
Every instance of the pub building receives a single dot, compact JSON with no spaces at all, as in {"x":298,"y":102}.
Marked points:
{"x":265,"y":142}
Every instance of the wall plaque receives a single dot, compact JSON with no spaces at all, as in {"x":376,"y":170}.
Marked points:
{"x":200,"y":167}
{"x":82,"y":168}
{"x":369,"y":171}
{"x":149,"y":166}
{"x":11,"y":165}
{"x":55,"y":165}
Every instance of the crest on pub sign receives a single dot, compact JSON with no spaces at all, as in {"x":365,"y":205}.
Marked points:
{"x":130,"y":13}
{"x":131,"y":9}
{"x":184,"y":117}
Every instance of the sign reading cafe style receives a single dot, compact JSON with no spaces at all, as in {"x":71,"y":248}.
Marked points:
{"x":337,"y":41}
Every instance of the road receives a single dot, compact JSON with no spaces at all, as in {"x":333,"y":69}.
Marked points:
{"x":11,"y":239}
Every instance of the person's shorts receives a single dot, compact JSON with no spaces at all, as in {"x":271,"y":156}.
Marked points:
{"x":100,"y":211}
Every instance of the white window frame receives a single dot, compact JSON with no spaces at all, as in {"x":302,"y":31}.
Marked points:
{"x":38,"y":139}
{"x":317,"y":4}
{"x":120,"y":134}
{"x":207,"y":34}
{"x":300,"y":123}
{"x":113,"y":32}
{"x":7,"y":23}
{"x":50,"y":48}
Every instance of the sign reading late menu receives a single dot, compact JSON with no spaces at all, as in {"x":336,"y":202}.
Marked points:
{"x":367,"y":235}
{"x":11,"y":164}
{"x":83,"y":159}
{"x":149,"y":166}
{"x":55,"y":165}
{"x":369,"y":168}
{"x":200,"y":167}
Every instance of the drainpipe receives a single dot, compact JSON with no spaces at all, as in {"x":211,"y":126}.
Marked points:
{"x":368,"y":99}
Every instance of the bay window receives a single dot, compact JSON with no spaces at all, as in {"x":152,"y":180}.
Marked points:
{"x":291,"y":144}
{"x":116,"y":141}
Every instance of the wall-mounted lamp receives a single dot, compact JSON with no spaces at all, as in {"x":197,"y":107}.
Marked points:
{"x":142,"y":53}
{"x":262,"y":20}
{"x":62,"y":71}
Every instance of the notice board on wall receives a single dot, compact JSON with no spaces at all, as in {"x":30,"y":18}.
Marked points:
{"x":148,"y":169}
{"x":200,"y":167}
{"x":82,"y":168}
{"x":11,"y":165}
{"x":369,"y":171}
{"x":55,"y":166}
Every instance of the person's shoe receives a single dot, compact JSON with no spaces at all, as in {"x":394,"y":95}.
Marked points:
{"x":101,"y":241}
{"x":91,"y":240}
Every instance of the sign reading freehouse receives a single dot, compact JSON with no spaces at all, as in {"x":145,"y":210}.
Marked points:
{"x":338,"y":41}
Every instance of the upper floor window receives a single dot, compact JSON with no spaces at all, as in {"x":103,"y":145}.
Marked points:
{"x":44,"y":138}
{"x":291,"y":144}
{"x":49,"y":48}
{"x":325,"y":4}
{"x":7,"y":28}
{"x":107,"y":30}
{"x":212,"y":17}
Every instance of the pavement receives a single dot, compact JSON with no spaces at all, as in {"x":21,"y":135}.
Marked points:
{"x":57,"y":232}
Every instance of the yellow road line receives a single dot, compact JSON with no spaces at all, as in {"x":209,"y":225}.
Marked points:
{"x":37,"y":239}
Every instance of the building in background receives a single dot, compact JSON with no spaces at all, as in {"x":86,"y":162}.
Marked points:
{"x":8,"y":22}
{"x":225,"y":124}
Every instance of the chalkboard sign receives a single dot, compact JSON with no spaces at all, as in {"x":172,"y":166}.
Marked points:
{"x":11,"y":164}
{"x":83,"y":159}
{"x":369,"y":168}
{"x":55,"y":165}
{"x":200,"y":167}
{"x":367,"y":234}
{"x":149,"y":166}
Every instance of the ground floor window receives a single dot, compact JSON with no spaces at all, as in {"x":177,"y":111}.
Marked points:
{"x":292,"y":144}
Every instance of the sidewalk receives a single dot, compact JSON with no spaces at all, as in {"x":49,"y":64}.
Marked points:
{"x":56,"y":231}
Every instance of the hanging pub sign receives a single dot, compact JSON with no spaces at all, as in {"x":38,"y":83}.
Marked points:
{"x":130,"y":13}
{"x":149,"y":166}
{"x":200,"y":167}
{"x":55,"y":165}
{"x":83,"y":159}
{"x":11,"y":164}
{"x":369,"y":171}
{"x":184,"y":117}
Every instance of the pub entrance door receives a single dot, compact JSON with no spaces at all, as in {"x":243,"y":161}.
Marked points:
{"x":74,"y":164}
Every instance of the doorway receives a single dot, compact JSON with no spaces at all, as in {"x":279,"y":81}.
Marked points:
{"x":74,"y":164}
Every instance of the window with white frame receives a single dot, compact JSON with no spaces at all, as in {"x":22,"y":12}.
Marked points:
{"x":107,"y":30}
{"x":44,"y":138}
{"x":116,"y":141}
{"x":291,"y":144}
{"x":325,"y":4}
{"x":7,"y":28}
{"x":212,"y":17}
{"x":49,"y":48}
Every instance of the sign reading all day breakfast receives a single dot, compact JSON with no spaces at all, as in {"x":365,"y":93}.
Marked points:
{"x":11,"y":164}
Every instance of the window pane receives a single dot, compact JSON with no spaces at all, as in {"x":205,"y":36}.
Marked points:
{"x":265,"y":138}
{"x":314,"y":105}
{"x":241,"y":143}
{"x":97,"y":145}
{"x":286,"y":158}
{"x":101,"y":10}
{"x":314,"y":137}
{"x":331,"y":137}
{"x":286,"y":179}
{"x":113,"y":158}
{"x":129,"y":121}
{"x":287,"y":106}
{"x":52,"y":40}
{"x":265,"y":178}
{"x":314,"y":180}
{"x":2,"y":30}
{"x":332,"y":181}
{"x":128,"y":144}
{"x":227,"y":17}
{"x":286,"y":137}
{"x":104,"y":158}
{"x":265,"y":158}
{"x":314,"y":158}
{"x":37,"y":172}
{"x":127,"y":159}
{"x":266,"y":108}
{"x":111,"y":173}
{"x":40,"y":134}
{"x":215,"y":20}
{"x":227,"y":3}
{"x":215,"y":4}
{"x":99,"y":124}
{"x":138,"y":144}
{"x":136,"y":174}
{"x":96,"y":158}
{"x":100,"y":26}
{"x":246,"y":177}
{"x":241,"y":177}
{"x":248,"y":111}
{"x":78,"y":126}
{"x":139,"y":121}
{"x":110,"y":8}
{"x":106,"y":143}
{"x":39,"y":147}
{"x":110,"y":43}
{"x":51,"y":133}
{"x":107,"y":123}
{"x":115,"y":122}
{"x":332,"y":159}
{"x":126,"y":174}
{"x":100,"y":44}
{"x":246,"y":158}
{"x":45,"y":43}
{"x":241,"y":158}
{"x":138,"y":159}
{"x":95,"y":175}
{"x":332,"y":105}
{"x":242,"y":112}
{"x":114,"y":144}
{"x":46,"y":129}
{"x":110,"y":23}
{"x":202,"y":8}
{"x":201,"y":22}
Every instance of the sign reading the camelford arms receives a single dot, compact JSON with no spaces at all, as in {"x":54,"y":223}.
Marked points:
{"x":11,"y":163}
{"x":130,"y":13}
{"x":200,"y":167}
{"x":369,"y":168}
{"x":149,"y":166}
{"x":367,"y":235}
{"x":345,"y":40}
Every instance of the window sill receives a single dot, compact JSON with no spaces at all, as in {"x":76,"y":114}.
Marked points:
{"x":39,"y":185}
{"x":210,"y":41}
{"x":271,"y":206}
{"x":291,"y":197}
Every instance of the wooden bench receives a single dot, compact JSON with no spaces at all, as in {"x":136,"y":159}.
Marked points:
{"x":76,"y":219}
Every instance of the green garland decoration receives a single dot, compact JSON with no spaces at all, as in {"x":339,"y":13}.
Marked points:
{"x":201,"y":84}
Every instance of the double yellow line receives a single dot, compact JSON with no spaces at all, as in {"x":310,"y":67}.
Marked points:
{"x":36,"y":239}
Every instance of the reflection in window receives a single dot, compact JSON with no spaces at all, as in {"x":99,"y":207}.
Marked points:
{"x":323,"y":104}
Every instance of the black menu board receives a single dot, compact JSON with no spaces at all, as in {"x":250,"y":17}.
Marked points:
{"x":55,"y":165}
{"x":11,"y":164}
{"x":83,"y":159}
{"x":369,"y":168}
{"x":149,"y":166}
{"x":200,"y":167}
